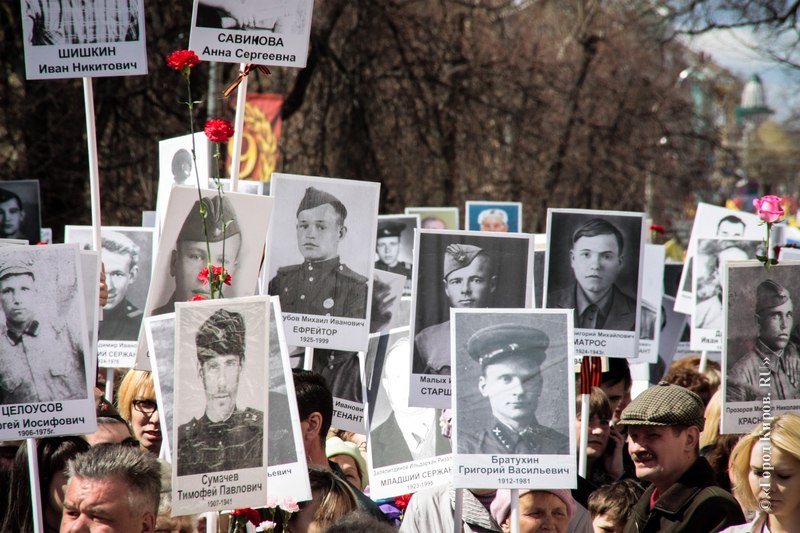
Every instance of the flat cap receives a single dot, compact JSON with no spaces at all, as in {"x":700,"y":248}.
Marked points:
{"x":221,"y":334}
{"x":315,"y":198}
{"x":15,"y":265}
{"x":216,"y":207}
{"x":458,"y":256}
{"x":494,"y":343}
{"x":665,"y":405}
{"x":390,"y":228}
{"x":769,"y":294}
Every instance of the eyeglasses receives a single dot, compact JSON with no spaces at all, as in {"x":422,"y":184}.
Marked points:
{"x":147,"y":407}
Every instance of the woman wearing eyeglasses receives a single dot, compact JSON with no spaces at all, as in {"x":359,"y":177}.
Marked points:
{"x":136,"y":402}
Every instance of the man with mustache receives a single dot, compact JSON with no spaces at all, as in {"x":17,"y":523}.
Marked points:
{"x":225,"y":437}
{"x":664,"y":424}
{"x":774,"y":316}
{"x":596,"y":258}
{"x":510,"y":356}
{"x":322,"y":284}
{"x":469,"y":281}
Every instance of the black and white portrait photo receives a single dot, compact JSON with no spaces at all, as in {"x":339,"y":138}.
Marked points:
{"x":321,"y":255}
{"x":160,"y":333}
{"x":20,"y":210}
{"x":283,"y":437}
{"x":105,"y":27}
{"x":342,"y":373}
{"x":394,"y":247}
{"x":603,"y":251}
{"x":760,"y":353}
{"x":226,"y":429}
{"x":707,"y":281}
{"x":176,"y":167}
{"x":464,"y":270}
{"x":512,"y":384}
{"x":127,"y":254}
{"x":236,"y":228}
{"x":224,"y":30}
{"x":399,"y":433}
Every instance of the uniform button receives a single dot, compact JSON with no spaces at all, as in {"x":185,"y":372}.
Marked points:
{"x":310,"y":267}
{"x":331,"y":357}
{"x":341,"y":267}
{"x":311,"y":278}
{"x":331,"y":367}
{"x":302,"y":296}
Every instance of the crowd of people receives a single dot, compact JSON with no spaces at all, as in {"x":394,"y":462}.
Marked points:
{"x":656,"y":463}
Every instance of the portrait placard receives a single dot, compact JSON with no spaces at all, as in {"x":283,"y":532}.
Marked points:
{"x":323,"y":276}
{"x":713,"y":221}
{"x":436,"y":217}
{"x":182,"y":249}
{"x":760,"y":356}
{"x":127,"y":253}
{"x":286,"y":457}
{"x":91,"y":38}
{"x":707,"y":283}
{"x":264,"y":32}
{"x":45,"y":381}
{"x":514,"y":423}
{"x":343,"y":373}
{"x":394,"y":247}
{"x":407,"y":450}
{"x":90,"y":272}
{"x":460,"y":269}
{"x":160,"y":333}
{"x":494,"y":216}
{"x":221,"y":366}
{"x":603,"y":285}
{"x":389,"y":311}
{"x":176,"y":166}
{"x":21,"y":206}
{"x":652,"y":294}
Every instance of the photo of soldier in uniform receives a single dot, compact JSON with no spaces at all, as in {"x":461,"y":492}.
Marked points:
{"x":398,"y":433}
{"x":176,"y":167}
{"x":272,"y":16}
{"x":19,"y":210}
{"x":229,"y":435}
{"x":494,"y":216}
{"x":160,"y":331}
{"x":464,"y":270}
{"x":326,"y":269}
{"x":59,"y":22}
{"x":394,"y":246}
{"x":761,"y":356}
{"x":604,"y":251}
{"x":127,"y":255}
{"x":43,"y":335}
{"x":510,"y":395}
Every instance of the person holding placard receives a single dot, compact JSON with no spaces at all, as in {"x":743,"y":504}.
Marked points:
{"x":469,"y":282}
{"x":774,"y":316}
{"x":224,"y":438}
{"x":322,"y":284}
{"x":510,"y":356}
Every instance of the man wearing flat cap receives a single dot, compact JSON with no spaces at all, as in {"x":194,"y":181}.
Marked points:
{"x":388,"y":249}
{"x":596,"y":258}
{"x":321,"y":284}
{"x":190,"y":255}
{"x":664,"y":424}
{"x":774,"y":317}
{"x":225,"y":437}
{"x":469,"y":282}
{"x":510,"y":356}
{"x":40,"y":360}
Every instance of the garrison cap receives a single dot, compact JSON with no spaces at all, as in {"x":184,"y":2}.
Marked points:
{"x":16,"y":265}
{"x":315,"y":198}
{"x":769,"y":294}
{"x":665,"y":405}
{"x":216,"y":207}
{"x":221,"y":334}
{"x":390,"y":229}
{"x":458,"y":256}
{"x":494,"y":343}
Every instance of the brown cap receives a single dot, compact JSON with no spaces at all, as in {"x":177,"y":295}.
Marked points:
{"x":769,"y":294}
{"x":665,"y":405}
{"x":219,"y":213}
{"x":494,"y":343}
{"x":221,"y":334}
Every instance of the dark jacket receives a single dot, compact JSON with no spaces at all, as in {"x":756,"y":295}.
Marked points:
{"x":621,"y":316}
{"x":693,"y":504}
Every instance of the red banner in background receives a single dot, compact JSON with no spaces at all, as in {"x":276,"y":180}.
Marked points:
{"x":260,"y":137}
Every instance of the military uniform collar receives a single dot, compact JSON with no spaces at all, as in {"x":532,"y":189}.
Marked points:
{"x":510,"y":438}
{"x":32,"y":329}
{"x":325,"y":265}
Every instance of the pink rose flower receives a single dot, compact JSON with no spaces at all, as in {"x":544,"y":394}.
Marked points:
{"x":769,"y":208}
{"x":290,"y":505}
{"x":266,"y":525}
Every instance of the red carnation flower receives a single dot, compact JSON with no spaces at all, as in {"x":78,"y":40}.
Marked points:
{"x":657,"y":228}
{"x":218,"y":130}
{"x":220,"y":274}
{"x":402,"y":501}
{"x":182,"y":59}
{"x":197,"y":298}
{"x":251,"y":515}
{"x":203,"y":276}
